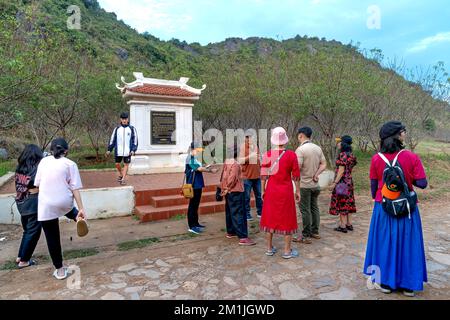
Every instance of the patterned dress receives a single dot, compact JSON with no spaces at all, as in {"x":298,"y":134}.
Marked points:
{"x":344,"y":204}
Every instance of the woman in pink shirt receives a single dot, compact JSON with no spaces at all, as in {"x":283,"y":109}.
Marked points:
{"x":233,"y":189}
{"x":59,"y":184}
{"x":395,"y":250}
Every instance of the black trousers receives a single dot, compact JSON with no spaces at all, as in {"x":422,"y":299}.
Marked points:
{"x":235,"y":216}
{"x":51,"y":231}
{"x":194,"y":203}
{"x":31,"y":234}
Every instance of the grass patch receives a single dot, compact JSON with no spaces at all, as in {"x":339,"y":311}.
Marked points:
{"x":435,"y":157}
{"x":85,"y":158}
{"x":9,"y":265}
{"x":80,"y":253}
{"x":42,"y":258}
{"x":186,"y":236}
{"x":129,"y":245}
{"x":135,"y":217}
{"x":178,"y":217}
{"x":7,"y":166}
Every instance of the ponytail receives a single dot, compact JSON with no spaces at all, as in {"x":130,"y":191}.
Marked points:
{"x":59,"y":147}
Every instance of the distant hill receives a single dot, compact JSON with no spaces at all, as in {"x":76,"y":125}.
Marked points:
{"x":256,"y":82}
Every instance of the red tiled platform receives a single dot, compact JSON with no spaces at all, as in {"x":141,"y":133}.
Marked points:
{"x":108,"y":179}
{"x":157,"y":196}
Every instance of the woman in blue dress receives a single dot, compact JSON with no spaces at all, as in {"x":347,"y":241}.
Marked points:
{"x":395,"y":248}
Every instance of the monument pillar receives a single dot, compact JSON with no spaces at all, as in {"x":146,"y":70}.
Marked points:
{"x":161,"y":112}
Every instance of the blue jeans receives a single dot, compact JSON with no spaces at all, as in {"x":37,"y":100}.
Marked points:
{"x":254,"y":184}
{"x":31,"y":233}
{"x":235,"y":216}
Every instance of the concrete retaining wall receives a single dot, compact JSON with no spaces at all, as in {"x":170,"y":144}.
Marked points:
{"x":99,"y":204}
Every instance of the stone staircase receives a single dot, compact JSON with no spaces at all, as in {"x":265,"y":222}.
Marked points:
{"x":161,"y":204}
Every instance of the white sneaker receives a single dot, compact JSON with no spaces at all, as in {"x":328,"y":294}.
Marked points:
{"x":66,"y":274}
{"x":194,"y":230}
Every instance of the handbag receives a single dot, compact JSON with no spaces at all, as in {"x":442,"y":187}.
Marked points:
{"x":341,"y":189}
{"x":219,"y":196}
{"x":187,"y":189}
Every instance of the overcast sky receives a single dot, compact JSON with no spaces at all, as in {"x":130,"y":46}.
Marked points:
{"x":417,"y":32}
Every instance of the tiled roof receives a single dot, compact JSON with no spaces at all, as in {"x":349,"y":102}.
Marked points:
{"x":162,"y":90}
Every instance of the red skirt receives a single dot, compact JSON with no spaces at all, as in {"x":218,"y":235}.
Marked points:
{"x":279,"y":213}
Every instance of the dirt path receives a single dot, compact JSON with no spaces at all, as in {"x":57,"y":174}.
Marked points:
{"x":213,"y":267}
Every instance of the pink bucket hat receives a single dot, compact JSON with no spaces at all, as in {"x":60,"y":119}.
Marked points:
{"x":279,"y":137}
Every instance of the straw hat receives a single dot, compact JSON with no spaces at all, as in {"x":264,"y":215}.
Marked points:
{"x":279,"y":137}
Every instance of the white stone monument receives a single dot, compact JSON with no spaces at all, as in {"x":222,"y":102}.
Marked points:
{"x":161,"y":112}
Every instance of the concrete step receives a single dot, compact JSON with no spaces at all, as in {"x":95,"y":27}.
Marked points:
{"x":144,"y":197}
{"x":147,"y":213}
{"x":176,"y":200}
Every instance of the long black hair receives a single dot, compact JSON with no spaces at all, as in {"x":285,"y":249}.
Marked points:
{"x":29,"y":159}
{"x":391,"y":144}
{"x":59,"y":147}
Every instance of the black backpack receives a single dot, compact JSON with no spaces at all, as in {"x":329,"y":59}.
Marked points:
{"x":405,"y":201}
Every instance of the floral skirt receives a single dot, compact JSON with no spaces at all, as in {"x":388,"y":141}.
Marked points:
{"x":342,"y":205}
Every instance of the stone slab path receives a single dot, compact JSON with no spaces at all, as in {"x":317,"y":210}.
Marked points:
{"x":213,"y":267}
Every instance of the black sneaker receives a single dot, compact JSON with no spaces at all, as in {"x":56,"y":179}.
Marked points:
{"x":386,"y":289}
{"x":409,"y":293}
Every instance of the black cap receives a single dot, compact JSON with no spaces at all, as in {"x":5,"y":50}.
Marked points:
{"x":347,"y":139}
{"x":390,"y":129}
{"x":124,"y":115}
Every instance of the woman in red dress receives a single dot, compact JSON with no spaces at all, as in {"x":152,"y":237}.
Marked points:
{"x":279,"y":167}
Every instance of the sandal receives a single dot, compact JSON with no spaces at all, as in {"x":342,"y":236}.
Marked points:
{"x":271,"y":252}
{"x":349,"y":227}
{"x":119,"y":179}
{"x":31,"y":262}
{"x":82,"y":228}
{"x":340,"y":229}
{"x":66,"y":274}
{"x":292,"y":254}
{"x":122,"y":182}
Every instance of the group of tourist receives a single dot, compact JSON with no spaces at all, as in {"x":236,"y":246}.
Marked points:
{"x":395,"y":243}
{"x":246,"y":171}
{"x":47,"y":187}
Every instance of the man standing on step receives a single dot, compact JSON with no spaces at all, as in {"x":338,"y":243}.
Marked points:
{"x":251,"y":174}
{"x":312,"y":163}
{"x":124,"y":141}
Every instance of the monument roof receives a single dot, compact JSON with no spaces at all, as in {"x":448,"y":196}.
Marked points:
{"x":160,"y":87}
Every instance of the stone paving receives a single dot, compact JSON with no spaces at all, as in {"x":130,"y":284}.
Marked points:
{"x":213,"y":267}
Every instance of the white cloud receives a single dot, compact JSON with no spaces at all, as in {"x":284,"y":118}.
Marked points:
{"x":426,"y":42}
{"x":149,"y":15}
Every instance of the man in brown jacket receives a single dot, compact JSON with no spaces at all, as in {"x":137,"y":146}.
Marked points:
{"x":251,"y":173}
